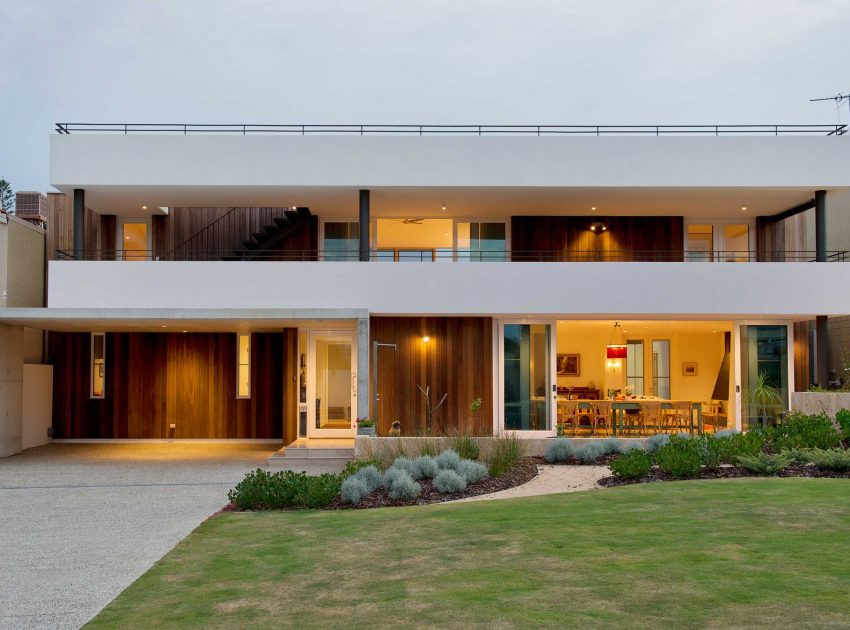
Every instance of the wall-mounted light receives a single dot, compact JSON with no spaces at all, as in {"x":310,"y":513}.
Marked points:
{"x":426,"y":339}
{"x":597,"y":226}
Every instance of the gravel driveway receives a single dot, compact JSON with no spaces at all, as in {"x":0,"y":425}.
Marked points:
{"x":80,"y":522}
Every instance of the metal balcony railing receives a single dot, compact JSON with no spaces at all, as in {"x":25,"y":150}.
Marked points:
{"x":65,"y":128}
{"x":459,"y":255}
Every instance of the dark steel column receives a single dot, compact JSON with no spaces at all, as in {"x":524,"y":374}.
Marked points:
{"x":822,"y":337}
{"x":364,"y":225}
{"x":820,"y":225}
{"x":79,"y":216}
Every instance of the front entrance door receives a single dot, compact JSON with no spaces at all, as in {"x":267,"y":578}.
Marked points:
{"x":332,"y":388}
{"x":527,"y":374}
{"x":765,"y":373}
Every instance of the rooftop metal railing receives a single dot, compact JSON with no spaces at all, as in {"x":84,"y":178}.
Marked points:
{"x":460,"y":255}
{"x":453,"y":130}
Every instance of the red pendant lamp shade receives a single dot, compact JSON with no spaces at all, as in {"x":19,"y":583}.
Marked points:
{"x":617,"y":347}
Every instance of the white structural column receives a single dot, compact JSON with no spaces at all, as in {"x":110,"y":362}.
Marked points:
{"x":363,"y":367}
{"x":11,"y":389}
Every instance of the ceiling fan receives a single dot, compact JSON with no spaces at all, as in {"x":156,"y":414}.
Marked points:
{"x":409,"y":221}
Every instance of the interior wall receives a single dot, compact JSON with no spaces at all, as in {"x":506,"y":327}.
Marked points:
{"x":154,"y":380}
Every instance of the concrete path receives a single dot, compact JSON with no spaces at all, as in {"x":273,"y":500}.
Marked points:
{"x":80,"y":522}
{"x":552,"y":480}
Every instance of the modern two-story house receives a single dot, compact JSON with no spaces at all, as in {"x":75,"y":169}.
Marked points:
{"x":278,"y":282}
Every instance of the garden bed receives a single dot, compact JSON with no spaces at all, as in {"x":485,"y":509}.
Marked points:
{"x":727,"y":472}
{"x":523,"y":472}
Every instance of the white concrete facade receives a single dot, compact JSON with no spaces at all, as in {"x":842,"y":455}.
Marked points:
{"x":658,"y":290}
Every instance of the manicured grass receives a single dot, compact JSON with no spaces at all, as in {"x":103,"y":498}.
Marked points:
{"x":721,"y":554}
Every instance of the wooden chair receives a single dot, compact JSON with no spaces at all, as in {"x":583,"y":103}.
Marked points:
{"x":602,"y":415}
{"x":567,"y":414}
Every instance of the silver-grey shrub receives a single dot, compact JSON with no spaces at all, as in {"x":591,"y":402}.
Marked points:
{"x":589,"y":451}
{"x":448,"y":460}
{"x":654,"y":442}
{"x":353,"y":490}
{"x":371,"y":476}
{"x":471,"y":471}
{"x":407,"y":465}
{"x":448,"y":481}
{"x":392,"y":475}
{"x":426,"y":467}
{"x":726,"y":433}
{"x":560,"y":450}
{"x":405,"y":488}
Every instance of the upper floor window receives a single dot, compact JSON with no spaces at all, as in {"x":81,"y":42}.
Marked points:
{"x":718,"y":241}
{"x":478,"y":242}
{"x":341,"y":240}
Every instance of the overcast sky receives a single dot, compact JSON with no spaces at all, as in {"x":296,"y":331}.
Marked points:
{"x":447,"y":61}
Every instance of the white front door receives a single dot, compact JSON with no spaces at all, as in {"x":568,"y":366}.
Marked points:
{"x":332,"y":384}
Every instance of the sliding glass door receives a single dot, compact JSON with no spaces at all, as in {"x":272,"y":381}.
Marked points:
{"x":527,"y":379}
{"x":764,"y":376}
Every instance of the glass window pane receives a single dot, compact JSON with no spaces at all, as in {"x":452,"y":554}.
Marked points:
{"x":700,"y":242}
{"x":661,"y":368}
{"x":134,"y":241}
{"x":764,"y":374}
{"x":342,"y":240}
{"x":243,"y":365}
{"x":634,"y":367}
{"x":527,"y":377}
{"x":479,"y":242}
{"x":98,"y":365}
{"x":736,"y":242}
{"x":333,"y":384}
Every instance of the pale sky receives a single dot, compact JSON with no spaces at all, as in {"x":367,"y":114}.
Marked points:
{"x":437,"y":62}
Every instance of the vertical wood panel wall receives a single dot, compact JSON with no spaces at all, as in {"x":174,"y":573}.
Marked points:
{"x":456,"y":361}
{"x":571,"y":238}
{"x":154,"y":380}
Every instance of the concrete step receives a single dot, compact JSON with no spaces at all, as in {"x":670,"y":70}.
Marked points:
{"x":312,"y":459}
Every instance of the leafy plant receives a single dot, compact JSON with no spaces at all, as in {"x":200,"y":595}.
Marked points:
{"x":260,"y":490}
{"x":635,"y":464}
{"x":765,"y":463}
{"x":680,"y":457}
{"x":560,"y":429}
{"x":465,"y":446}
{"x":7,"y":196}
{"x":354,"y":490}
{"x":764,"y":398}
{"x":505,"y":453}
{"x":843,"y":420}
{"x":559,"y":450}
{"x":448,"y":481}
{"x":426,"y":467}
{"x":365,"y":423}
{"x":834,"y":459}
{"x":471,"y":471}
{"x":799,"y":455}
{"x":429,"y":446}
{"x":448,"y":460}
{"x":799,"y":430}
{"x":358,"y":464}
{"x":405,"y":488}
{"x":588,"y":451}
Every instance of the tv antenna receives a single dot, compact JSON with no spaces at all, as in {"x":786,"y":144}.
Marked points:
{"x":839,"y":98}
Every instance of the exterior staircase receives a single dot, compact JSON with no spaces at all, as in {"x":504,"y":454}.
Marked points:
{"x":313,"y":456}
{"x":260,"y":244}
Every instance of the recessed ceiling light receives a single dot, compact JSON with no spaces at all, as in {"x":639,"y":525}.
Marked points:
{"x":593,"y":208}
{"x":443,"y":207}
{"x":185,"y":331}
{"x":126,"y":238}
{"x":144,"y":207}
{"x":163,"y":326}
{"x":744,"y":208}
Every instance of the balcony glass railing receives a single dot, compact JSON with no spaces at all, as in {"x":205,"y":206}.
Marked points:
{"x":460,"y":255}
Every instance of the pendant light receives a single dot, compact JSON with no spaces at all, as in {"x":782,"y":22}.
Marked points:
{"x":617,"y":347}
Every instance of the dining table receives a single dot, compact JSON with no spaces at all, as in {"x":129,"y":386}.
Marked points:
{"x":620,"y":408}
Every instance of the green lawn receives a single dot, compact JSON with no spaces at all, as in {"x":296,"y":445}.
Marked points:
{"x":719,"y":554}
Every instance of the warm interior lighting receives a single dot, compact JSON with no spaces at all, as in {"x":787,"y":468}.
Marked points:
{"x":743,"y":208}
{"x":444,"y":207}
{"x":426,"y":338}
{"x":616,"y":348}
{"x":144,"y":207}
{"x":597,"y":226}
{"x":593,"y":208}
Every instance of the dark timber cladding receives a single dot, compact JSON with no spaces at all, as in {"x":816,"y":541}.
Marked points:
{"x":569,"y":238}
{"x":457,"y":360}
{"x":154,"y":380}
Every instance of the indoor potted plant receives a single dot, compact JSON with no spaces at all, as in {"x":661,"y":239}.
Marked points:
{"x":365,"y":426}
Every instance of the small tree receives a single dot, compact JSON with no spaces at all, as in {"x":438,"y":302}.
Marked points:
{"x":430,"y":410}
{"x":7,"y":196}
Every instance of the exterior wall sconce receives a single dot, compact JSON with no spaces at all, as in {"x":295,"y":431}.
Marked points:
{"x":598,"y":226}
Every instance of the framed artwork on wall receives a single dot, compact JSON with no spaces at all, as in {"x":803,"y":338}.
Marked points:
{"x":689,"y":368}
{"x":569,"y":365}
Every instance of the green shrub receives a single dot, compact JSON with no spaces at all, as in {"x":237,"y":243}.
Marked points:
{"x":505,"y":453}
{"x":426,"y":467}
{"x":448,"y":460}
{"x":354,"y":490}
{"x":588,"y":451}
{"x":680,"y":457}
{"x":465,"y":446}
{"x":764,"y":463}
{"x":834,"y":459}
{"x":653,"y":443}
{"x":471,"y":470}
{"x":559,"y":450}
{"x":799,"y":455}
{"x":635,"y":464}
{"x":448,"y":481}
{"x":713,"y":451}
{"x":843,"y":420}
{"x":799,"y":430}
{"x":405,"y":488}
{"x":260,"y":490}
